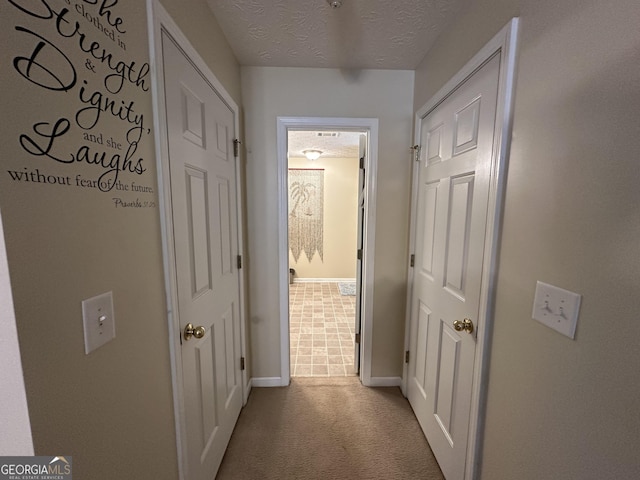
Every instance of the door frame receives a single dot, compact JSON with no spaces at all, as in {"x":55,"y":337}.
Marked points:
{"x":17,"y":438}
{"x":159,"y":21}
{"x":370,"y":126}
{"x":504,"y":43}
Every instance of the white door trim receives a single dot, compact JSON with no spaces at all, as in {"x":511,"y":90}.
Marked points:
{"x":504,"y":43}
{"x":16,"y":436}
{"x":159,"y":21}
{"x":370,"y":125}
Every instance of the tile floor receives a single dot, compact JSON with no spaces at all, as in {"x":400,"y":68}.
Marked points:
{"x":322,"y":323}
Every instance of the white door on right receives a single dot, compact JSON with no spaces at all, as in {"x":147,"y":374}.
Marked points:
{"x":454,"y":176}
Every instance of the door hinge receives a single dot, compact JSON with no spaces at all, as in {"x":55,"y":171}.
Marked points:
{"x":359,"y":254}
{"x":236,"y":147}
{"x":241,"y":363}
{"x":416,"y":152}
{"x":406,"y":356}
{"x":361,"y":163}
{"x":412,"y":260}
{"x":239,"y":262}
{"x":357,"y":338}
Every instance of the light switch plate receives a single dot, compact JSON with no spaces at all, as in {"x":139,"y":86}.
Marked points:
{"x":556,"y":308}
{"x":99,"y":321}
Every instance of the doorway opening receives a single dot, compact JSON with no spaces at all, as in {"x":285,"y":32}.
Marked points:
{"x":325,"y":192}
{"x":366,"y":131}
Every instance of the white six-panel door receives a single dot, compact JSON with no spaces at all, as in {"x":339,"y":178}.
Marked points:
{"x":453,"y":191}
{"x":361,"y":219}
{"x":200,"y":129}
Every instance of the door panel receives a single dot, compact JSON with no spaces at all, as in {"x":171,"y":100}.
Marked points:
{"x":223,"y":141}
{"x":466,"y":128}
{"x":198,"y":228}
{"x":203,"y":199}
{"x":453,"y":188}
{"x":224,"y":205}
{"x":193,"y":128}
{"x":231,"y":377}
{"x":457,"y":246}
{"x":434,"y":144}
{"x":448,"y":359}
{"x":205,"y":366}
{"x":431,"y":201}
{"x":422,"y":337}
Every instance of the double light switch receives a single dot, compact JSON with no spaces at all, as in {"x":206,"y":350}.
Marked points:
{"x":556,"y":308}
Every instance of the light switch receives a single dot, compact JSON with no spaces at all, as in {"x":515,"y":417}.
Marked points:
{"x":99,"y":322}
{"x":556,"y":308}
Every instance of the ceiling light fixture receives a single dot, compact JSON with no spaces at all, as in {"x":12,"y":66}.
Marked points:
{"x":312,"y":154}
{"x":335,"y":3}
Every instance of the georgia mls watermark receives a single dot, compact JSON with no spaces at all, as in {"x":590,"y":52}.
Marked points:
{"x":35,"y":468}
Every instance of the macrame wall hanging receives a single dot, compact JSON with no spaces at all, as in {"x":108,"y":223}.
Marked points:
{"x":306,"y":212}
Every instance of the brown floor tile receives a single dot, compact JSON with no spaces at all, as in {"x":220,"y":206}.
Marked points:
{"x":304,"y":359}
{"x":303,"y":370}
{"x":321,"y":330}
{"x":320,"y":370}
{"x":335,"y":359}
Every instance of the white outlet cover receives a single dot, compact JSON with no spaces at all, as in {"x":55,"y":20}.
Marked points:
{"x":99,"y":321}
{"x":556,"y":308}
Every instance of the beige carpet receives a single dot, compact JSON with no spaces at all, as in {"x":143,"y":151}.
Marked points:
{"x":328,"y":428}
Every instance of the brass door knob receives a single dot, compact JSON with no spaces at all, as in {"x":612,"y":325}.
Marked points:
{"x":466,"y":325}
{"x":191,"y":331}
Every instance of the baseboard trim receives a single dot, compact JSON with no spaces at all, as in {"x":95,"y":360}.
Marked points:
{"x":322,"y":280}
{"x":385,"y":382}
{"x":268,"y":382}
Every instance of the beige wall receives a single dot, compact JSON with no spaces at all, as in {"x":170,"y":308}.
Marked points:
{"x":271,"y":92}
{"x":111,"y":410}
{"x":561,"y":408}
{"x":340,"y":220}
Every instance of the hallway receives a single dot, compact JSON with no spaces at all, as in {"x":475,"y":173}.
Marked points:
{"x":328,"y":429}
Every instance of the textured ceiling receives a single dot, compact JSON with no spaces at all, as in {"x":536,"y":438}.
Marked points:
{"x":332,"y":144}
{"x":391,"y":34}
